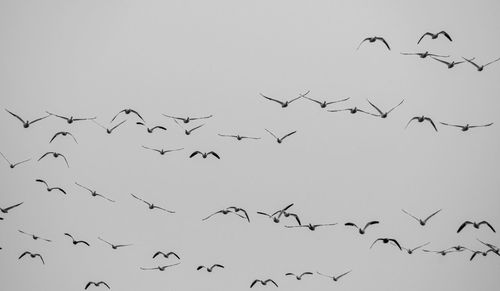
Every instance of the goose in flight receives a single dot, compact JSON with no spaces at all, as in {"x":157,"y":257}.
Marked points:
{"x":467,"y":126}
{"x":187,"y":119}
{"x":410,"y":251}
{"x":334,"y":278}
{"x":75,"y":242}
{"x":55,"y":155}
{"x":353,"y":110}
{"x":94,"y":193}
{"x":435,"y":35}
{"x":223,"y":212}
{"x":284,"y":104}
{"x":324,"y":104}
{"x":63,"y":133}
{"x":238,"y":137}
{"x":263,"y":282}
{"x":383,"y":114}
{"x":373,"y":39}
{"x":7,"y":209}
{"x":311,"y":227}
{"x":442,"y":252}
{"x":299,"y":277}
{"x":11,"y":165}
{"x":49,"y":189}
{"x":109,"y":130}
{"x":162,"y":151}
{"x":166,"y":255}
{"x":113,"y":246}
{"x":422,"y":119}
{"x":280,"y":139}
{"x":448,"y":64}
{"x":151,"y":205}
{"x":33,"y":236}
{"x":480,"y":67}
{"x":205,"y":155}
{"x":159,"y":268}
{"x":363,"y":229}
{"x":26,"y":123}
{"x":151,"y":129}
{"x":476,"y":225}
{"x":424,"y":55}
{"x":387,"y":240}
{"x":127,"y":111}
{"x":422,"y":221}
{"x":276,"y":219}
{"x":71,"y":119}
{"x":32,"y":255}
{"x":188,"y":131}
{"x":238,"y":209}
{"x":210,"y":269}
{"x":96,"y":284}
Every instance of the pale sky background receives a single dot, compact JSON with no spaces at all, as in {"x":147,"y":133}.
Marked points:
{"x":94,"y":58}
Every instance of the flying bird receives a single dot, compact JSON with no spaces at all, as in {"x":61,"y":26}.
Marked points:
{"x":167,"y":255}
{"x":188,"y":131}
{"x":49,"y":189}
{"x":335,"y":278}
{"x":480,"y":67}
{"x":491,"y":246}
{"x":383,"y":114}
{"x":223,"y":212}
{"x":187,"y":119}
{"x":55,"y":155}
{"x":62,"y":133}
{"x":424,"y":55}
{"x":7,"y":209}
{"x":324,"y":104}
{"x":238,"y":137}
{"x":475,"y":253}
{"x":11,"y":165}
{"x":422,"y":221}
{"x":97,"y":284}
{"x":75,"y":242}
{"x":435,"y":35}
{"x":113,"y":246}
{"x":210,"y":269}
{"x":127,"y":111}
{"x":151,"y":129}
{"x":263,"y":282}
{"x":109,"y":130}
{"x":373,"y":39}
{"x":205,"y":155}
{"x":410,"y":251}
{"x":422,"y":119}
{"x":238,"y":209}
{"x":467,"y":126}
{"x":276,"y":219}
{"x":33,"y":236}
{"x":26,"y":123}
{"x":284,"y":104}
{"x":280,"y":139}
{"x":387,"y":240}
{"x":287,"y":214}
{"x":363,"y":229}
{"x":448,"y":64}
{"x":442,"y":252}
{"x":71,"y":119}
{"x":353,"y":110}
{"x":32,"y":255}
{"x":159,"y":268}
{"x":151,"y":205}
{"x":476,"y":225}
{"x":162,"y":151}
{"x":310,"y":226}
{"x":298,"y":277}
{"x":94,"y":193}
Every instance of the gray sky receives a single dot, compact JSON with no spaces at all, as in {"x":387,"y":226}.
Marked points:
{"x":94,"y":58}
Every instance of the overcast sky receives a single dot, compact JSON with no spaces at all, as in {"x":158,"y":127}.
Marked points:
{"x":195,"y":58}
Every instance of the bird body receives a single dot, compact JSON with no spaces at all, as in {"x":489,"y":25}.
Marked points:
{"x":373,"y":39}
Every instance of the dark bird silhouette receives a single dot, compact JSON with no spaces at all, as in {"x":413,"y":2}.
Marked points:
{"x":162,"y":151}
{"x":223,"y":212}
{"x":62,"y":133}
{"x":32,"y":255}
{"x":363,"y":229}
{"x":75,"y":242}
{"x":353,"y":110}
{"x":335,"y":278}
{"x":422,"y":119}
{"x":480,"y":67}
{"x":263,"y":282}
{"x":383,"y":114}
{"x":491,"y":246}
{"x":97,"y":284}
{"x":13,"y":165}
{"x":71,"y":119}
{"x":476,"y":225}
{"x":324,"y":104}
{"x":311,"y":227}
{"x":421,"y":221}
{"x":484,"y":253}
{"x":458,"y":248}
{"x":442,"y":252}
{"x":7,"y":209}
{"x":26,"y":123}
{"x":448,"y":64}
{"x":298,"y":277}
{"x":49,"y":189}
{"x":284,"y":104}
{"x":210,"y":269}
{"x":205,"y":155}
{"x":159,"y":268}
{"x":424,"y":55}
{"x":33,"y":236}
{"x":373,"y":39}
{"x":238,"y":137}
{"x":467,"y":126}
{"x":276,"y":215}
{"x":188,"y":131}
{"x":94,"y":193}
{"x":387,"y":240}
{"x":280,"y":139}
{"x":55,"y":155}
{"x":109,"y":130}
{"x":127,"y":111}
{"x":238,"y":209}
{"x":187,"y":119}
{"x":435,"y":35}
{"x":113,"y":246}
{"x":151,"y":205}
{"x":412,"y":250}
{"x":151,"y":129}
{"x":287,"y":214}
{"x":167,"y":255}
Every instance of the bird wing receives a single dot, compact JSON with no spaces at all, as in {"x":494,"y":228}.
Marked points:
{"x":463,"y":225}
{"x":66,"y":160}
{"x":395,"y":106}
{"x":16,"y":116}
{"x":427,"y":33}
{"x":373,"y":105}
{"x":38,"y":119}
{"x":337,"y":101}
{"x":195,"y":153}
{"x":117,"y":115}
{"x":263,"y":213}
{"x":319,"y":102}
{"x":87,"y":118}
{"x":488,"y":224}
{"x":410,"y":54}
{"x":158,"y":127}
{"x":483,"y":125}
{"x":296,"y":217}
{"x":137,"y":113}
{"x":254,"y":282}
{"x":420,"y":246}
{"x":370,"y":223}
{"x":444,"y":62}
{"x":200,"y":267}
{"x":445,"y":34}
{"x":300,"y":96}
{"x":474,"y":254}
{"x":55,"y":135}
{"x":203,"y":117}
{"x":42,"y":181}
{"x":220,"y":211}
{"x":366,"y":112}
{"x":416,"y":218}
{"x":214,"y":154}
{"x":113,"y":128}
{"x":471,"y":62}
{"x":270,"y":280}
{"x":59,"y":189}
{"x":496,"y":60}
{"x":272,"y":99}
{"x":432,"y":122}
{"x":411,"y":121}
{"x":217,"y":265}
{"x":69,"y":235}
{"x":288,"y":134}
{"x":339,"y":110}
{"x":41,"y":258}
{"x":100,"y":125}
{"x":60,"y":116}
{"x":148,"y":148}
{"x":342,"y":275}
{"x":13,"y":206}
{"x":158,"y":253}
{"x":43,"y":156}
{"x":173,"y":254}
{"x":5,"y":158}
{"x":84,"y":187}
{"x":396,"y":243}
{"x":324,"y":275}
{"x":449,"y":124}
{"x":385,"y":42}
{"x":123,"y":245}
{"x":18,"y":163}
{"x":351,"y":224}
{"x":362,"y":42}
{"x":194,"y":128}
{"x":271,"y":133}
{"x":425,"y":220}
{"x":110,"y":200}
{"x":375,"y":242}
{"x":173,"y":117}
{"x":140,"y":199}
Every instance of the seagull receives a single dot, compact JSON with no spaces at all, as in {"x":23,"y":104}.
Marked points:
{"x":435,"y":35}
{"x":422,"y":119}
{"x":205,"y":155}
{"x":151,"y":129}
{"x":75,"y":242}
{"x":424,"y":55}
{"x":162,"y":151}
{"x":263,"y":283}
{"x":449,"y":64}
{"x":34,"y":237}
{"x":166,"y":255}
{"x":280,"y":139}
{"x":187,"y":119}
{"x":478,"y":67}
{"x":159,"y":268}
{"x":384,"y":114}
{"x":467,"y":126}
{"x":284,"y":104}
{"x":298,"y":277}
{"x":151,"y":205}
{"x":387,"y":240}
{"x":94,"y":193}
{"x":421,"y":221}
{"x":335,"y":279}
{"x":49,"y":189}
{"x":26,"y":123}
{"x":114,"y":246}
{"x":209,"y":269}
{"x":475,"y":225}
{"x":109,"y":130}
{"x":188,"y":131}
{"x":55,"y":155}
{"x":410,"y":251}
{"x":310,"y":226}
{"x":127,"y":111}
{"x":373,"y":39}
{"x":324,"y":104}
{"x":352,"y":111}
{"x":11,"y":165}
{"x":475,"y":253}
{"x":224,"y":212}
{"x":32,"y":255}
{"x":7,"y":209}
{"x":276,"y":219}
{"x":71,"y":119}
{"x":442,"y":253}
{"x":237,"y":209}
{"x":238,"y":137}
{"x":362,"y":230}
{"x":63,"y":133}
{"x":96,"y":284}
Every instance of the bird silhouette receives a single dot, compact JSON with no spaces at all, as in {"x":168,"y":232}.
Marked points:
{"x":448,"y":64}
{"x":34,"y":237}
{"x":96,"y":284}
{"x":476,"y":225}
{"x":151,"y":205}
{"x":435,"y":35}
{"x":383,"y":114}
{"x":373,"y":39}
{"x":467,"y":126}
{"x":422,"y":119}
{"x":162,"y":151}
{"x":127,"y":112}
{"x":238,"y":209}
{"x":311,"y":227}
{"x":205,"y":154}
{"x":334,"y":278}
{"x":151,"y":129}
{"x":412,"y":250}
{"x":424,"y":55}
{"x":187,"y":119}
{"x":49,"y":189}
{"x":363,"y":229}
{"x":159,"y":268}
{"x":280,"y":139}
{"x":353,"y":110}
{"x":55,"y":155}
{"x":109,"y":130}
{"x":442,"y":252}
{"x":287,"y":214}
{"x":166,"y":255}
{"x":263,"y":282}
{"x":13,"y":165}
{"x":422,"y":222}
{"x":324,"y":104}
{"x":188,"y":131}
{"x":238,"y":137}
{"x":113,"y":246}
{"x":299,"y":277}
{"x":32,"y":255}
{"x":94,"y":193}
{"x":284,"y":104}
{"x":484,"y":253}
{"x":76,"y":242}
{"x":211,"y":268}
{"x":7,"y":209}
{"x":480,"y":67}
{"x":26,"y":123}
{"x":491,"y":246}
{"x":62,"y":133}
{"x":386,"y":240}
{"x":276,"y":215}
{"x":223,"y":212}
{"x":71,"y":119}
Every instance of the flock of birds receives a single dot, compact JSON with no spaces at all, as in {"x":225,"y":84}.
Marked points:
{"x":293,"y":219}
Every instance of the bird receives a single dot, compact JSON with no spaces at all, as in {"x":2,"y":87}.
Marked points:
{"x":442,"y":252}
{"x":424,"y":55}
{"x":362,"y":230}
{"x":11,"y":165}
{"x":76,"y":242}
{"x":284,"y":104}
{"x":109,"y":130}
{"x":276,"y":219}
{"x":26,"y":123}
{"x":435,"y":35}
{"x":159,"y":268}
{"x":167,"y":255}
{"x":422,"y":119}
{"x":205,"y":154}
{"x":410,"y":251}
{"x":287,"y":214}
{"x":238,"y":137}
{"x":34,"y":237}
{"x":491,"y":246}
{"x":449,"y":64}
{"x":373,"y":39}
{"x":335,"y":278}
{"x":97,"y":284}
{"x":238,"y":209}
{"x":353,"y":110}
{"x":7,"y":209}
{"x":467,"y":126}
{"x":458,"y":248}
{"x":387,"y":240}
{"x":187,"y":119}
{"x":476,"y":225}
{"x":480,"y":67}
{"x":151,"y":205}
{"x":324,"y":104}
{"x":49,"y":189}
{"x":188,"y":131}
{"x":32,"y":255}
{"x":310,"y":226}
{"x":263,"y":282}
{"x":210,"y":269}
{"x":162,"y":151}
{"x":127,"y":111}
{"x":151,"y":129}
{"x":71,"y":119}
{"x":280,"y":139}
{"x":299,"y":277}
{"x":63,"y":133}
{"x":113,"y":246}
{"x":422,"y":222}
{"x":55,"y":155}
{"x":94,"y":193}
{"x":484,"y":253}
{"x":385,"y":114}
{"x":223,"y":212}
